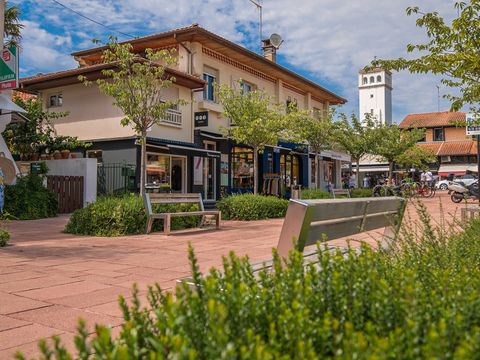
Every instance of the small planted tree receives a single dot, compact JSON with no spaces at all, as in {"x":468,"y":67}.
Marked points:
{"x":255,"y":121}
{"x":393,"y":142}
{"x":416,"y":157}
{"x":317,"y":132}
{"x":356,"y":138}
{"x":137,"y":86}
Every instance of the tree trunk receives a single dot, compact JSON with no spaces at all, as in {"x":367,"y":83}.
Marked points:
{"x":255,"y":171}
{"x":317,"y":169}
{"x":143,"y":163}
{"x":357,"y":177}
{"x":390,"y":172}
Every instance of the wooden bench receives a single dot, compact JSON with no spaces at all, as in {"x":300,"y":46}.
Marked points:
{"x":336,"y":192}
{"x":153,"y":198}
{"x":310,"y":221}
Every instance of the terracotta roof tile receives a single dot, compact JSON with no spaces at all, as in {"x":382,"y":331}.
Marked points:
{"x":457,"y":148}
{"x":433,"y":119}
{"x":434,"y":146}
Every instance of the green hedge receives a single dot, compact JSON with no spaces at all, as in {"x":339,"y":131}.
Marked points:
{"x":125,"y":215}
{"x":418,"y":302}
{"x":357,"y":193}
{"x":28,"y":199}
{"x":314,"y":194}
{"x":252,"y":207}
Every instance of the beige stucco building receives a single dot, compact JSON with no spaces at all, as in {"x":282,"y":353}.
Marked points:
{"x":187,"y":151}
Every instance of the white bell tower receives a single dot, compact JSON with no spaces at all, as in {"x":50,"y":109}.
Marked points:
{"x":375,"y":94}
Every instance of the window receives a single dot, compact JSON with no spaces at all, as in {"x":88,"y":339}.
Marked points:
{"x":371,"y":96}
{"x":372,"y":79}
{"x":165,"y":172}
{"x":289,"y":170}
{"x":291,"y":104}
{"x":209,"y":91}
{"x":55,"y":100}
{"x":95,"y":154}
{"x":246,"y":87}
{"x":379,"y":78}
{"x":242,"y":168}
{"x":438,"y":134}
{"x":365,"y":80}
{"x":371,"y":112}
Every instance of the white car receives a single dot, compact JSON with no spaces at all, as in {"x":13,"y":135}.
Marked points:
{"x":442,"y":184}
{"x":467,"y":180}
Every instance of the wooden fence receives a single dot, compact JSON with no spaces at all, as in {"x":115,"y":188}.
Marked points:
{"x":69,"y":190}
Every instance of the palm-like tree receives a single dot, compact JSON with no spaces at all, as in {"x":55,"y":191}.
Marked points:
{"x":13,"y":27}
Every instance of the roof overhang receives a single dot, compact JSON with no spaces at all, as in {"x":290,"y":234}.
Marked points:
{"x":225,"y":47}
{"x":94,"y":72}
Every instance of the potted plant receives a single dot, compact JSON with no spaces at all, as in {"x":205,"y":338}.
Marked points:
{"x":57,"y":155}
{"x":65,"y":153}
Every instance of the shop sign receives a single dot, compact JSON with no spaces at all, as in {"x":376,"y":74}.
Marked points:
{"x":9,"y":68}
{"x":473,"y":124}
{"x":201,"y":118}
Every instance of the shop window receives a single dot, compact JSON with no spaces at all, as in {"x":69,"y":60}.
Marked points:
{"x":95,"y":154}
{"x":55,"y":100}
{"x":438,"y":134}
{"x":289,"y":170}
{"x":165,"y":172}
{"x":242,"y":168}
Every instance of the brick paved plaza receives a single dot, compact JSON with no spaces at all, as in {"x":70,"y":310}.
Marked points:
{"x":50,"y":279}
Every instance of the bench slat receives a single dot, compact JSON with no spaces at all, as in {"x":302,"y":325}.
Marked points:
{"x":173,"y":200}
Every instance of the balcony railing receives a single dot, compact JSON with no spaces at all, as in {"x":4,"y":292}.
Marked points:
{"x":173,"y":117}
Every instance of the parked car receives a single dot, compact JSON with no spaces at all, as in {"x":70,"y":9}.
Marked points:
{"x":466,"y":180}
{"x":442,"y":184}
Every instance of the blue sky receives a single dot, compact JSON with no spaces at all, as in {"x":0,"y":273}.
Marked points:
{"x":325,"y":40}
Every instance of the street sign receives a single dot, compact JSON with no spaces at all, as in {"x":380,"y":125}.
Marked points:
{"x":9,"y":68}
{"x":201,"y":118}
{"x":473,"y":124}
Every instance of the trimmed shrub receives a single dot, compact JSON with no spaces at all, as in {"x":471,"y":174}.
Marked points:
{"x":419,"y":302}
{"x":4,"y":237}
{"x":315,"y":194}
{"x":125,"y":215}
{"x":252,"y":207}
{"x":358,"y":193}
{"x":28,"y":199}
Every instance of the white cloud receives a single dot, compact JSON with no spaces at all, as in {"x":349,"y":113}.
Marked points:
{"x":330,"y":39}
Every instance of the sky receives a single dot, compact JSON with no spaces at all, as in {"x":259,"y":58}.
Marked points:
{"x":327,"y":41}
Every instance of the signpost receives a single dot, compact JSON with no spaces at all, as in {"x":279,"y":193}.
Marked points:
{"x":473,"y":129}
{"x":9,"y":68}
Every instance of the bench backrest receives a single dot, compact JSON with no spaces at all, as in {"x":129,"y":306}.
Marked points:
{"x":309,"y":221}
{"x":336,"y":192}
{"x":171,"y":198}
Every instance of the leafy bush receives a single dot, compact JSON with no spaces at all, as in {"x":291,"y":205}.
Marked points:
{"x":315,"y":194}
{"x":357,"y":193}
{"x":419,"y":301}
{"x":28,"y":199}
{"x":124,"y":215}
{"x":252,"y":207}
{"x":4,"y":237}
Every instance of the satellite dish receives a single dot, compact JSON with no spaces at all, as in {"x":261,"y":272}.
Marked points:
{"x":276,"y":40}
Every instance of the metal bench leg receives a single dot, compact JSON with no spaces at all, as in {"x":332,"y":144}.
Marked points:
{"x":167,"y":224}
{"x":149,"y":225}
{"x":217,"y":220}
{"x":202,"y":222}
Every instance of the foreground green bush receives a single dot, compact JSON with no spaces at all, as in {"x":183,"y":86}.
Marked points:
{"x":28,"y":199}
{"x":4,"y":237}
{"x":124,"y":215}
{"x":306,"y":194}
{"x":418,"y":302}
{"x":358,"y":193}
{"x":252,"y":207}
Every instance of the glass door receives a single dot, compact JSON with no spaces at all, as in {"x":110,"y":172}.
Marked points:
{"x":209,"y":173}
{"x":178,"y":174}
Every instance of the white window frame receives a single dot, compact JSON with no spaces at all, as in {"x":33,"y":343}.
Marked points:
{"x":57,"y":96}
{"x":206,"y":91}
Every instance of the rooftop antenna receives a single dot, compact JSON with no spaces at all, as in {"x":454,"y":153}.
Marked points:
{"x":438,"y":98}
{"x":259,"y":7}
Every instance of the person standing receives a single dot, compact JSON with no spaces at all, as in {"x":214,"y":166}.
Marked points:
{"x":366,"y":182}
{"x":352,"y":181}
{"x":429,"y":177}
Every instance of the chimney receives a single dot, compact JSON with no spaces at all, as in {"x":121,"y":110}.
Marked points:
{"x":269,"y":51}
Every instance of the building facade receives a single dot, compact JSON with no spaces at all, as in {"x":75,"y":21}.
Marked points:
{"x":375,"y":95}
{"x":445,"y":135}
{"x":187,"y":152}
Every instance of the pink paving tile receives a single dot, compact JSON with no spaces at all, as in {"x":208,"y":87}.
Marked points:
{"x":7,"y":323}
{"x":40,"y":282}
{"x":110,"y":308}
{"x":10,"y":303}
{"x":21,"y":275}
{"x":92,"y":298}
{"x":53,"y":292}
{"x":25,"y":334}
{"x":65,"y":318}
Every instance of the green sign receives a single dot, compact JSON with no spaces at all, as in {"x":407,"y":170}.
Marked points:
{"x":9,"y":68}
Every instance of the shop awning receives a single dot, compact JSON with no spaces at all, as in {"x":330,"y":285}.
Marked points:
{"x":456,"y":169}
{"x":371,"y":169}
{"x":181,"y":148}
{"x":336,"y":155}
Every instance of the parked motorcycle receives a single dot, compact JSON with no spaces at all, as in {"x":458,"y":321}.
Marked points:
{"x":459,"y":192}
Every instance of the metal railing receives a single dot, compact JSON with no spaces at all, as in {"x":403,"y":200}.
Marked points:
{"x":173,"y":116}
{"x":115,"y":178}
